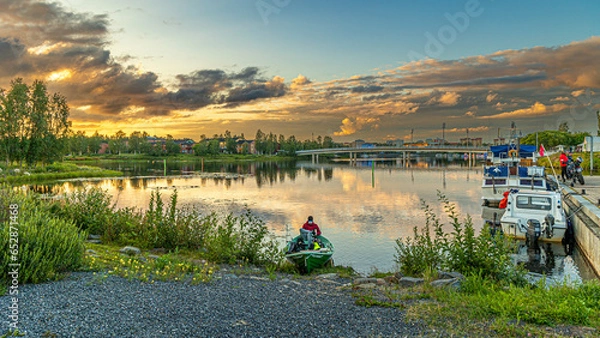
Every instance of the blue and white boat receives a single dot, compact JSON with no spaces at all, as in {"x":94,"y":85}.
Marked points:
{"x":511,"y":166}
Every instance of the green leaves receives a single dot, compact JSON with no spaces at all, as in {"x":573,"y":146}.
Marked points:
{"x":47,"y":244}
{"x":33,"y":125}
{"x":460,"y":250}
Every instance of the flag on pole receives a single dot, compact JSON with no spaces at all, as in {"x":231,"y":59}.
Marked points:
{"x":542,"y":150}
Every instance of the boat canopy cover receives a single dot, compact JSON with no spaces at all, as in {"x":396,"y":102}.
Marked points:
{"x":525,"y":150}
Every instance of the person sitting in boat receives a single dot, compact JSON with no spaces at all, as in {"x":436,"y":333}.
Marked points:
{"x":309,"y":231}
{"x":310,"y":225}
{"x":504,"y":200}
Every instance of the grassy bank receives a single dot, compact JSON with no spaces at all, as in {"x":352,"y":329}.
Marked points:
{"x":55,"y":171}
{"x":225,"y":158}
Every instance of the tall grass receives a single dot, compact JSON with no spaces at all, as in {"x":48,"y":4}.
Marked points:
{"x":221,"y":238}
{"x":47,"y":244}
{"x":482,"y":299}
{"x":461,"y":250}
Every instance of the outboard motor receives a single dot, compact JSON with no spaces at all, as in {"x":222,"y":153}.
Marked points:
{"x":534,"y":230}
{"x":549,"y":220}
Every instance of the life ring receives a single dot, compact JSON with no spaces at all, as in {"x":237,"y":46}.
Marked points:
{"x":512,"y":153}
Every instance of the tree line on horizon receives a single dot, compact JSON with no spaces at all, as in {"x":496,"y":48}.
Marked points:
{"x":227,"y":143}
{"x":552,"y":138}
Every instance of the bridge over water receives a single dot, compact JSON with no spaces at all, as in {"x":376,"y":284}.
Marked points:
{"x":403,"y":152}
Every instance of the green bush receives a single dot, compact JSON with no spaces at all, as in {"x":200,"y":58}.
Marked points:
{"x":241,"y":238}
{"x":461,"y":250}
{"x":223,"y":239}
{"x":89,"y":209}
{"x":47,"y":245}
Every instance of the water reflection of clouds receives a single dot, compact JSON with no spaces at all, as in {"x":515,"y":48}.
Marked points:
{"x":345,"y":203}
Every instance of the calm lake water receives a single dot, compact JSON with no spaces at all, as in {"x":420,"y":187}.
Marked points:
{"x":360,"y":209}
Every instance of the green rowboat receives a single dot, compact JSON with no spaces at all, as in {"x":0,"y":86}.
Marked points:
{"x":308,"y":260}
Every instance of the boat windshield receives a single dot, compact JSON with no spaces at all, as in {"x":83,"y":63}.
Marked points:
{"x":534,"y":202}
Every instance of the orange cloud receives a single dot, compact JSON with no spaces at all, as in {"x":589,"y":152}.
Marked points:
{"x":350,"y":127}
{"x":536,"y":109}
{"x":491,"y":97}
{"x":449,"y":98}
{"x":299,"y":82}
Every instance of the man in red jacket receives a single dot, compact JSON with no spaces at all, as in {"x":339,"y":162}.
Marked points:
{"x":564,"y":160}
{"x":310,"y":226}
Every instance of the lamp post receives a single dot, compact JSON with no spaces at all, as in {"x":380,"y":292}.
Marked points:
{"x":467,"y":137}
{"x":444,"y":133}
{"x":412,"y":143}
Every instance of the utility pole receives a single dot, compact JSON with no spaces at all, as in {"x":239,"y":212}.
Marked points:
{"x":412,"y":131}
{"x":444,"y":133}
{"x":467,"y":137}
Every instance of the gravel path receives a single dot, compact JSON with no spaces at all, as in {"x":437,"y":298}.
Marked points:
{"x":83,"y":305}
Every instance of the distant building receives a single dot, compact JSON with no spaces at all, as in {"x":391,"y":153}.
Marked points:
{"x":499,"y":141}
{"x":358,"y":143}
{"x":103,"y":148}
{"x":434,"y":141}
{"x":249,"y":145}
{"x":394,"y":143}
{"x":590,"y":142}
{"x":186,"y":145}
{"x":471,"y":141}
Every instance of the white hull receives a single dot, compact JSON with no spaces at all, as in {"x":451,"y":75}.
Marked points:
{"x":524,"y":205}
{"x":512,"y":230}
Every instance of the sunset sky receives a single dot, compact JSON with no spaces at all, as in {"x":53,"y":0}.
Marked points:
{"x":348,"y":69}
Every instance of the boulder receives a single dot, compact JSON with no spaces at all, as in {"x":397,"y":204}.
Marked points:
{"x":449,"y":275}
{"x":92,"y":253}
{"x":364,"y":280}
{"x":410,"y":281}
{"x":327,"y":276}
{"x":365,"y":286}
{"x":449,"y":282}
{"x":391,"y":280}
{"x":130,"y":250}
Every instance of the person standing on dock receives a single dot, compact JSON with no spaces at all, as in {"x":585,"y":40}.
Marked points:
{"x":564,"y":160}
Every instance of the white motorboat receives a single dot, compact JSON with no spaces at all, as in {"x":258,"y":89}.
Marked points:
{"x":531,"y":215}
